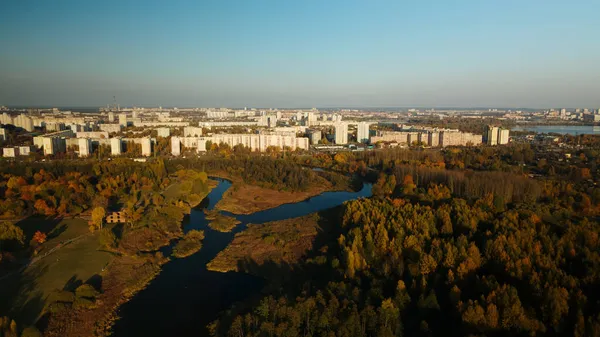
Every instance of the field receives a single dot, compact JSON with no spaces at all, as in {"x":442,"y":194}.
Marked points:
{"x":277,"y":242}
{"x":65,"y":268}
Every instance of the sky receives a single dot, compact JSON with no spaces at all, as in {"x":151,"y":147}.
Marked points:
{"x":300,"y":53}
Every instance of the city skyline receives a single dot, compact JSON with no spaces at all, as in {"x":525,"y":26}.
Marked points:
{"x":271,"y":54}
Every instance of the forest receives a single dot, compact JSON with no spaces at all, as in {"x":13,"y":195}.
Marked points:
{"x":485,"y":251}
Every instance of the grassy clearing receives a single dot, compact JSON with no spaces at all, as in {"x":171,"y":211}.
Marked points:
{"x":25,"y":295}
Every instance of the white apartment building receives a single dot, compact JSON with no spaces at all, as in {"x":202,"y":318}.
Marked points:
{"x":116,"y":146}
{"x":362,"y":132}
{"x":91,"y":134}
{"x":341,"y":133}
{"x":54,"y":142}
{"x":219,"y":114}
{"x":192,"y":131}
{"x":146,"y":147}
{"x":123,"y":119}
{"x":496,"y":135}
{"x":85,"y":147}
{"x":10,"y":152}
{"x":110,"y":128}
{"x":24,"y":150}
{"x":6,"y":119}
{"x":314,"y":136}
{"x":255,"y":142}
{"x":23,"y":122}
{"x":163,"y":132}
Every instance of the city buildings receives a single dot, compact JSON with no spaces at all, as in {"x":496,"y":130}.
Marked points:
{"x":52,"y":143}
{"x":431,"y":138}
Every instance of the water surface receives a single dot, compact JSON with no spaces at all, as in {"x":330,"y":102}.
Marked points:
{"x":185,"y":296}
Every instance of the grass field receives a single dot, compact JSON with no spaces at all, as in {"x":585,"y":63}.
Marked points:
{"x":24,"y":294}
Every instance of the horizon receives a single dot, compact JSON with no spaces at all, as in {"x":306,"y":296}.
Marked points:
{"x":274,"y":54}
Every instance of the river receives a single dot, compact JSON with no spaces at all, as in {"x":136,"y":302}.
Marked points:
{"x":185,"y":296}
{"x":561,"y":129}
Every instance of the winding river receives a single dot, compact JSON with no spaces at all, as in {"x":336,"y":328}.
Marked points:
{"x":185,"y":296}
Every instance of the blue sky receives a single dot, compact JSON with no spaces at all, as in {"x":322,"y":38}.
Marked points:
{"x":301,"y":53}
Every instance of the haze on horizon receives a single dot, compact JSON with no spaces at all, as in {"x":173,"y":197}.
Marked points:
{"x":300,"y":53}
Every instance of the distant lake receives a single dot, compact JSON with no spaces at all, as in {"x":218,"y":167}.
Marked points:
{"x":562,"y":129}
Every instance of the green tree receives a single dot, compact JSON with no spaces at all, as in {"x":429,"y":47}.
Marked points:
{"x":97,"y":219}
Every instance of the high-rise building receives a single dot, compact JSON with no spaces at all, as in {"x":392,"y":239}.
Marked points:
{"x":341,"y":133}
{"x":496,"y":136}
{"x":85,"y":147}
{"x":362,"y":132}
{"x":314,"y":136}
{"x":23,"y":122}
{"x":492,"y":135}
{"x":111,"y":117}
{"x":503,"y":136}
{"x":6,"y":119}
{"x":123,"y":119}
{"x":146,"y":146}
{"x":116,"y":146}
{"x":175,"y":146}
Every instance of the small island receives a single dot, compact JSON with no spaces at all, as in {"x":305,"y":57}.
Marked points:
{"x":284,"y":241}
{"x":220,"y":222}
{"x":190,"y":244}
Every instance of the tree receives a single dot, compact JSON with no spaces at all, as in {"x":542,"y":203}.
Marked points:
{"x":39,"y":237}
{"x":10,"y":234}
{"x":98,"y":215}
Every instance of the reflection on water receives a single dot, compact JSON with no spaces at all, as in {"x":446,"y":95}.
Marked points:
{"x":185,"y":297}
